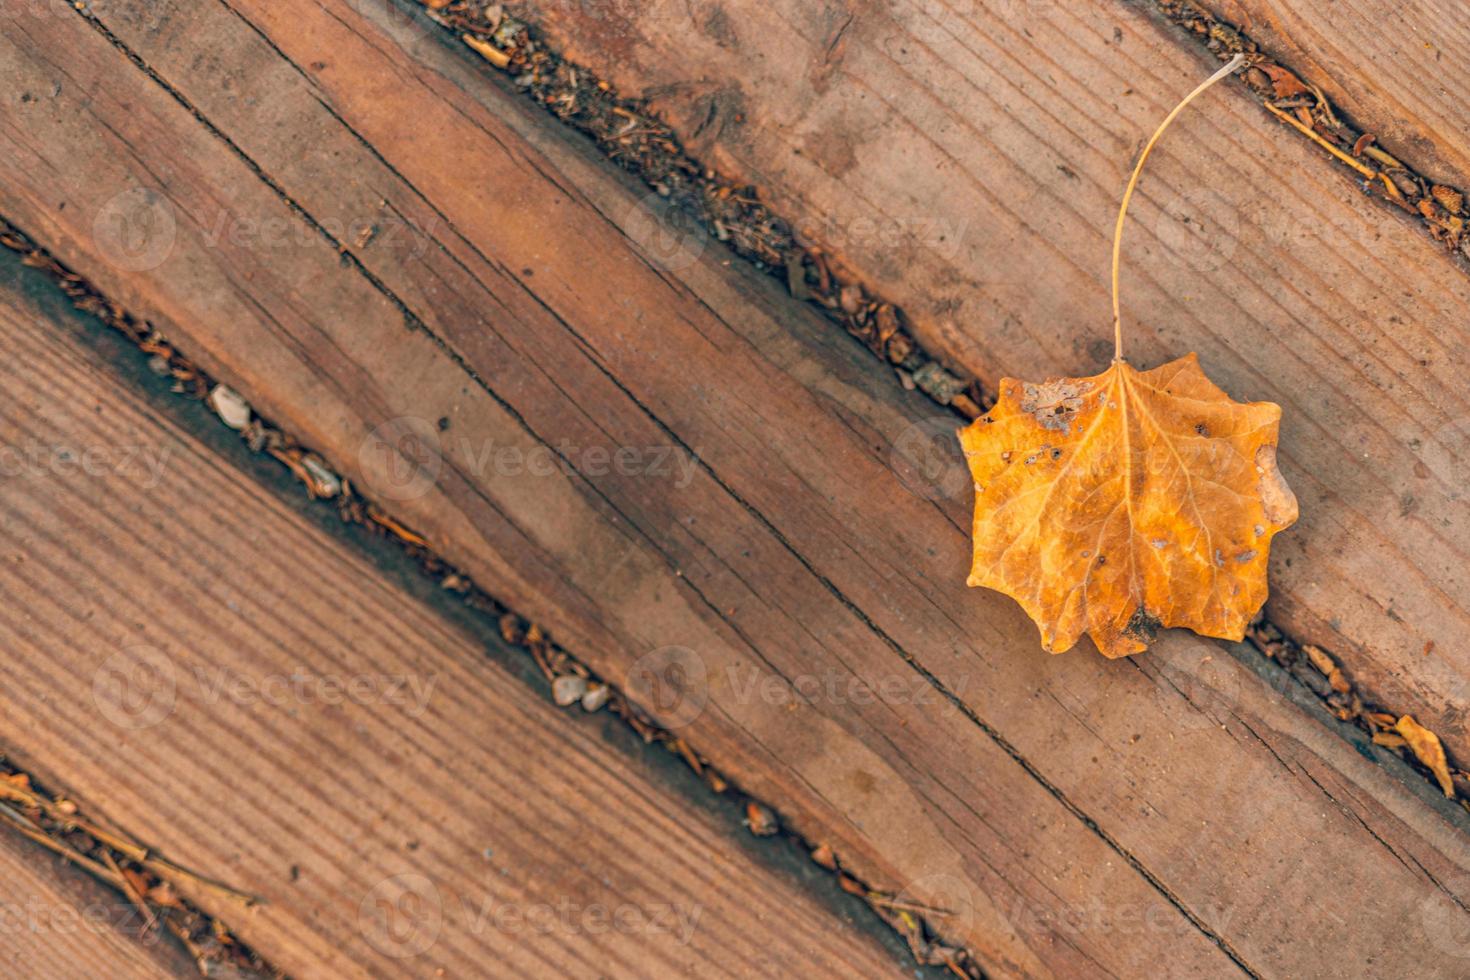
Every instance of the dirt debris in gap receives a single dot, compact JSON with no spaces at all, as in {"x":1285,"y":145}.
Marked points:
{"x":1317,"y":670}
{"x":639,"y":142}
{"x":146,"y":879}
{"x":1301,"y":105}
{"x":570,"y":682}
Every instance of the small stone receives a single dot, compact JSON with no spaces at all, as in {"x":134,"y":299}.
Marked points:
{"x":159,"y":365}
{"x":761,"y":821}
{"x":596,"y":697}
{"x":327,"y":483}
{"x":233,"y":410}
{"x":568,"y":689}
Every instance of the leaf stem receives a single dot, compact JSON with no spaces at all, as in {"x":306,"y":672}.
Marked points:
{"x":1229,"y":67}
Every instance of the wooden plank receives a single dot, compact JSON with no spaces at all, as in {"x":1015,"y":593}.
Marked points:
{"x":58,"y":922}
{"x":1038,"y":787}
{"x":966,"y":160}
{"x":1391,"y":67}
{"x":205,"y":664}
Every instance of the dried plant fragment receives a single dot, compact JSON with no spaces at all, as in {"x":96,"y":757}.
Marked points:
{"x":1427,"y":749}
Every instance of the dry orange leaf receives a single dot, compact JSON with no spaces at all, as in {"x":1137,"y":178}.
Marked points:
{"x":1426,"y":748}
{"x":1116,"y":504}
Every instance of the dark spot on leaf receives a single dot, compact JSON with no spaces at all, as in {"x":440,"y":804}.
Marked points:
{"x":1143,"y":625}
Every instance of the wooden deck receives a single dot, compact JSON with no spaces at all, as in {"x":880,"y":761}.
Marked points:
{"x":539,"y":374}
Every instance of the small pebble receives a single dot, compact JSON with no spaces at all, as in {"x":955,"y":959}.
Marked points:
{"x":328,"y":484}
{"x":596,"y":697}
{"x":233,"y":410}
{"x":568,"y":689}
{"x":159,"y":365}
{"x":761,"y":821}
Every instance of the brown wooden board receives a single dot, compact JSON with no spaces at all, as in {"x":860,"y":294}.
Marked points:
{"x":966,"y":160}
{"x":58,"y":922}
{"x":203,"y":663}
{"x":1074,"y":816}
{"x":1392,"y":67}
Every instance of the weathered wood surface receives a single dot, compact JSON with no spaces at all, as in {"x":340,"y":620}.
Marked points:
{"x":204,"y":664}
{"x":1073,"y":811}
{"x":1393,"y":66}
{"x":966,"y":160}
{"x":59,"y":923}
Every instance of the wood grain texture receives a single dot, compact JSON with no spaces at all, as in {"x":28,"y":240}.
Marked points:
{"x":202,"y":663}
{"x":1070,"y":812}
{"x":1393,"y":66}
{"x":60,"y":924}
{"x":966,"y":160}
